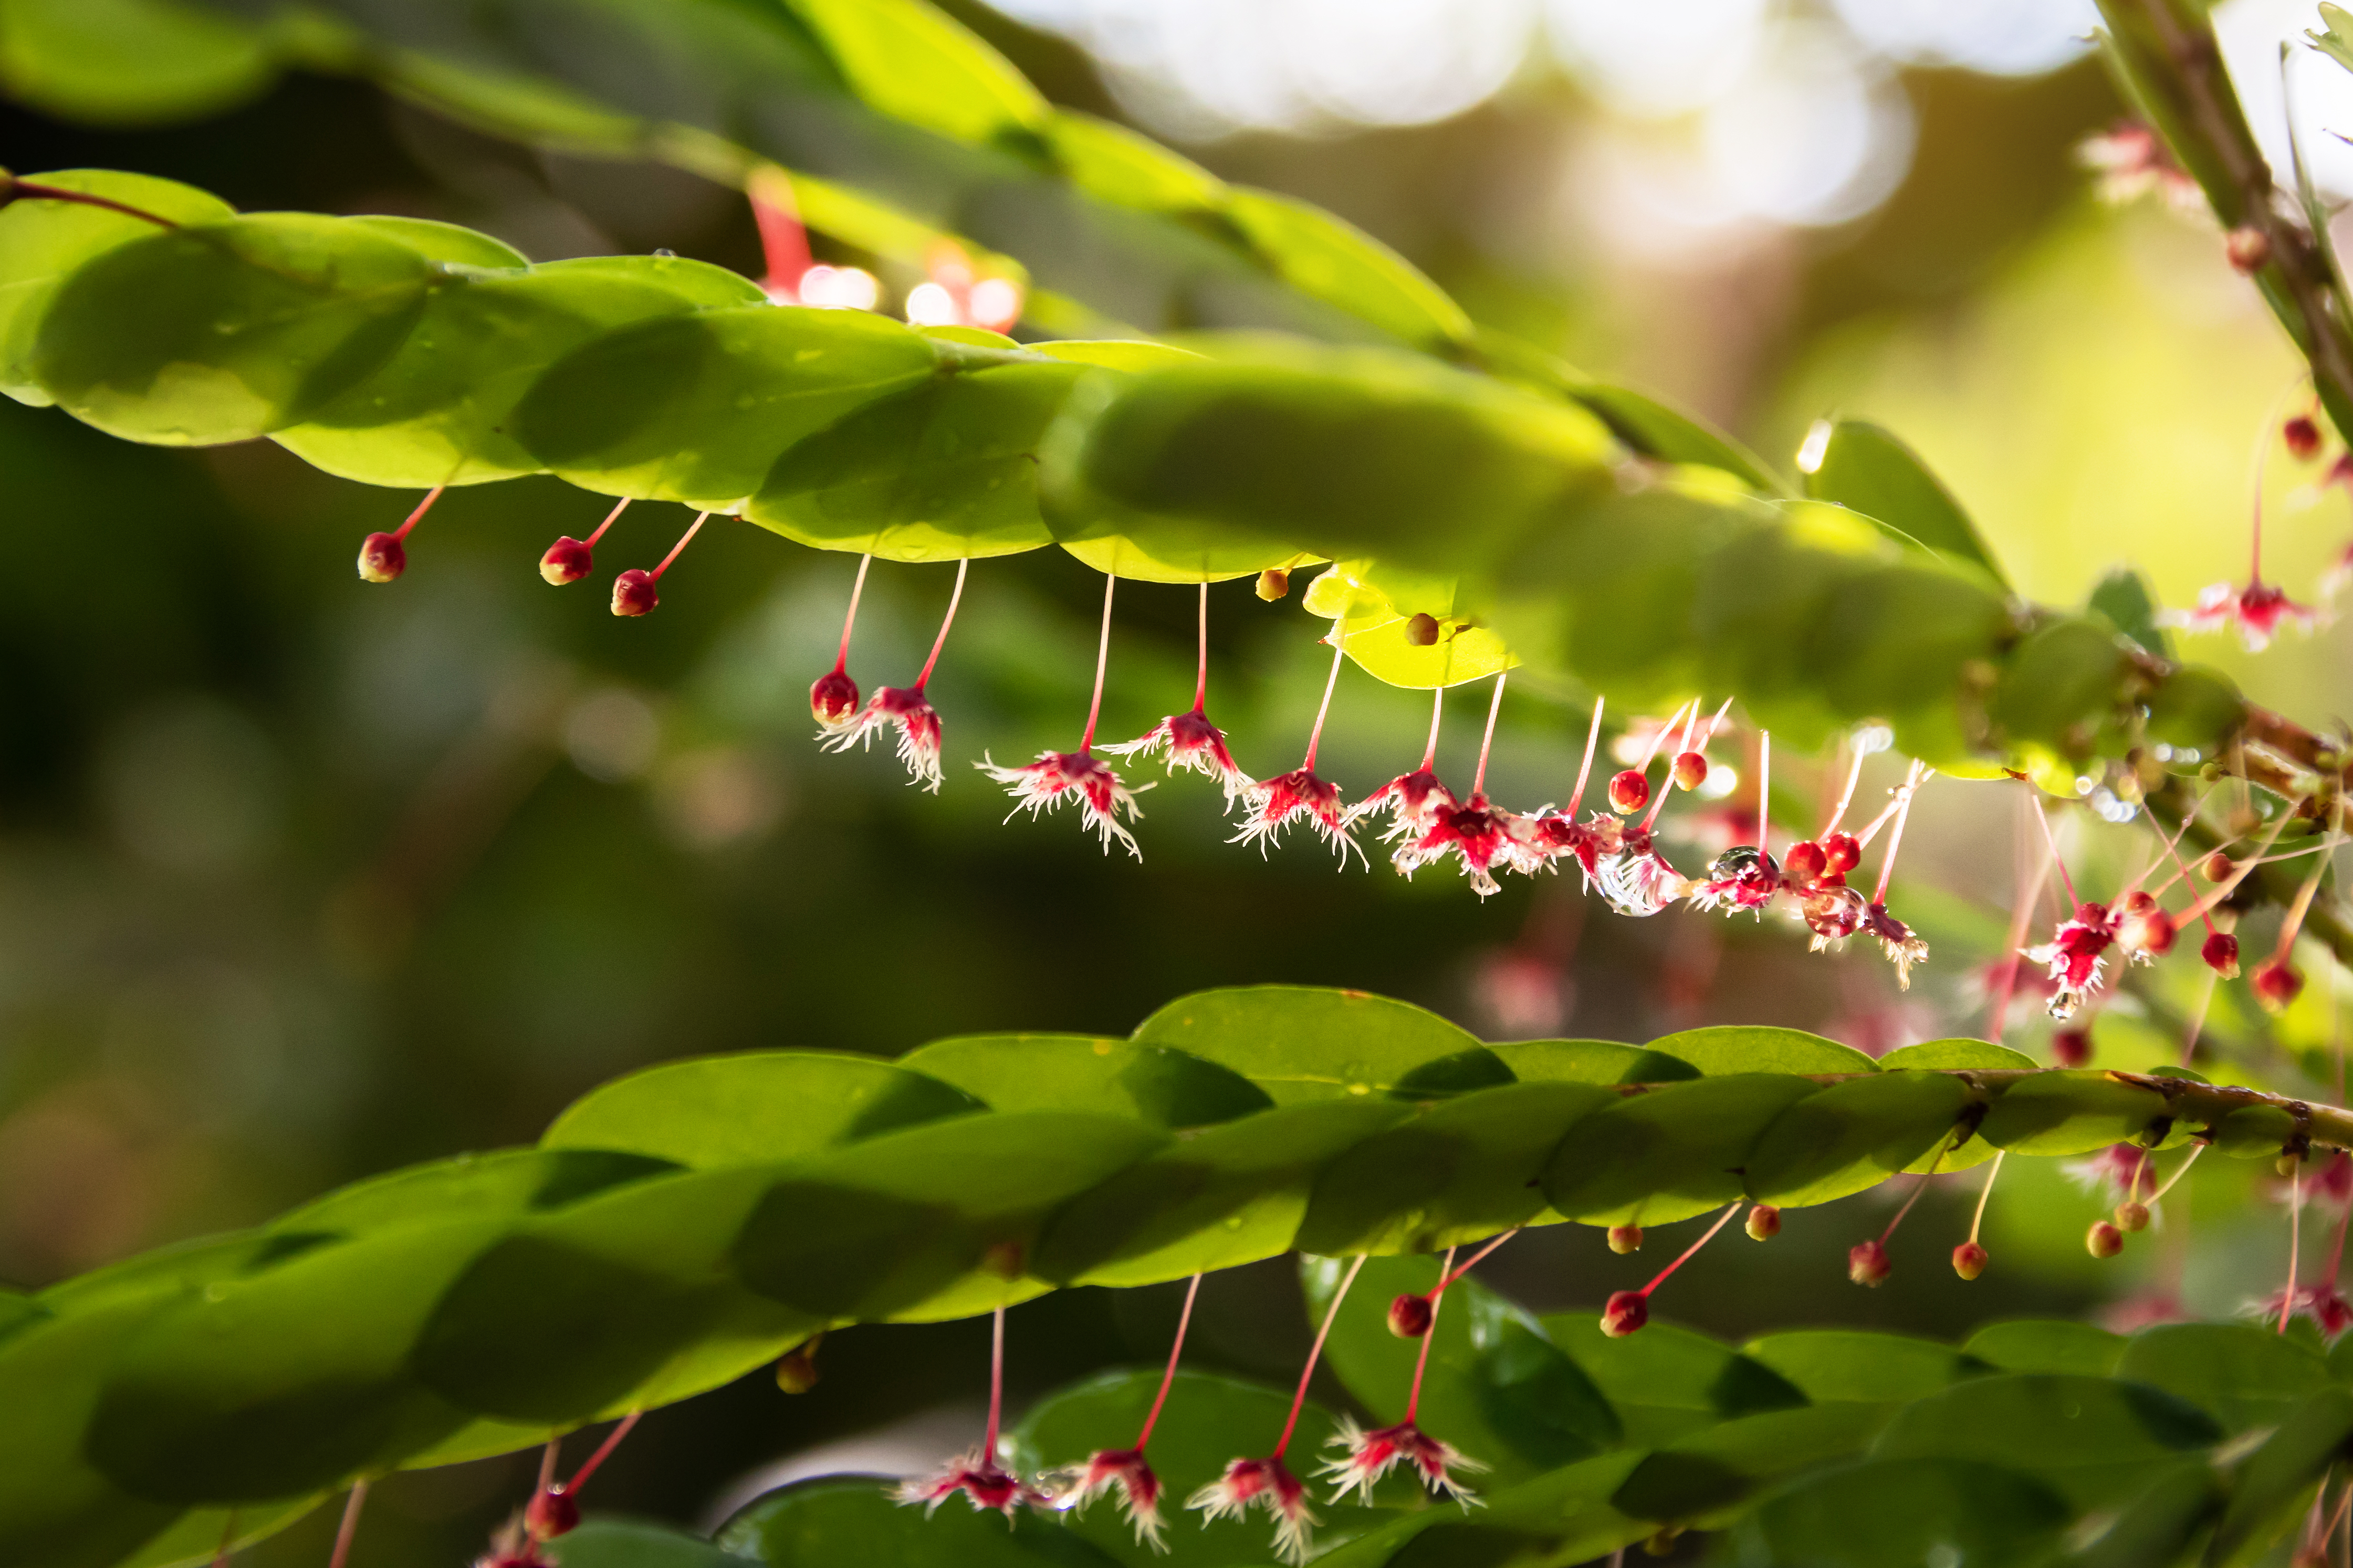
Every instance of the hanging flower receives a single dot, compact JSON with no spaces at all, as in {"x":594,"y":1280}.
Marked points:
{"x":1268,"y":1483}
{"x":512,"y":1547}
{"x":1139,"y":1491}
{"x":1413,"y":801}
{"x":1193,"y":744}
{"x":2110,"y":1172}
{"x":984,"y":1482}
{"x":1480,"y":833}
{"x":1637,"y":880}
{"x":1896,"y":940}
{"x":1272,"y":804}
{"x":2320,"y":1302}
{"x":1743,"y":878}
{"x":2130,"y":162}
{"x":1553,"y":833}
{"x":1055,"y":776}
{"x":1833,"y":912}
{"x":918,"y":724}
{"x":1372,"y":1455}
{"x":2256,"y":611}
{"x":2073,"y":956}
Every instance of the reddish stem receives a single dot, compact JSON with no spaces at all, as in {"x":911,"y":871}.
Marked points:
{"x":2294,"y":923}
{"x":849,"y":618}
{"x":1854,"y":777}
{"x":1437,"y":712}
{"x":1486,"y":742}
{"x":547,"y":1457}
{"x":610,"y":518}
{"x":1201,"y":682}
{"x":1430,"y":1333}
{"x":955,"y":596}
{"x":996,"y":1387}
{"x":1765,"y":791}
{"x":1103,"y":662}
{"x":418,"y":516}
{"x":1314,"y":1352}
{"x":1941,"y":1148}
{"x":604,"y":1451}
{"x":2294,"y":1239}
{"x":1585,"y":768}
{"x":1895,"y":835}
{"x":684,"y":541}
{"x":227,"y":1541}
{"x":1666,"y":787}
{"x":15,"y":188}
{"x":1986,"y":1192}
{"x":1708,"y":734}
{"x":349,"y":1525}
{"x":1183,"y":1320}
{"x":1476,"y":1259}
{"x":1721,"y":1221}
{"x":1315,"y":736}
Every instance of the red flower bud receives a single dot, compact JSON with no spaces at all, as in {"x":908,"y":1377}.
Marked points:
{"x":2148,"y":930}
{"x":383,"y":557}
{"x":1629,"y":792}
{"x":833,"y":698}
{"x":1422,"y":631}
{"x":1625,"y":1312}
{"x":2248,"y":249}
{"x":2134,"y":902}
{"x":1409,"y":1316}
{"x":2276,"y":984}
{"x":2222,"y":954}
{"x":1764,"y":1222}
{"x":1273,"y":584}
{"x":1968,"y":1260}
{"x":1841,"y":852}
{"x":1866,"y":1263}
{"x":1805,"y":861}
{"x":1625,"y":1239}
{"x":550,"y":1514}
{"x":2132,"y":1216}
{"x":1691,"y":770}
{"x":567,"y":561}
{"x":2071,"y":1047}
{"x":2104,"y":1240}
{"x":2302,"y":437}
{"x":633,"y":593}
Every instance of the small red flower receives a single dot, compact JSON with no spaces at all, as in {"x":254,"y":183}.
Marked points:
{"x":984,"y":1482}
{"x":833,"y":703}
{"x":2275,"y":982}
{"x":919,"y":731}
{"x":1637,"y":880}
{"x":2220,"y":953}
{"x":1193,"y":744}
{"x":2108,"y":1173}
{"x":1372,"y":1455}
{"x":1743,"y":878}
{"x":1867,"y":1264}
{"x":1479,"y":834}
{"x":1833,"y":912}
{"x":1139,"y":1491}
{"x":2256,"y":611}
{"x":1903,"y":947}
{"x":1272,"y":804}
{"x":1055,"y":776}
{"x":512,"y":1547}
{"x":1413,"y":801}
{"x":2320,"y":1301}
{"x":1555,"y":834}
{"x":2072,"y":954}
{"x":1266,"y":1482}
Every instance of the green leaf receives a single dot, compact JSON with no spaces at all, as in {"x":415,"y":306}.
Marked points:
{"x":509,"y":1182}
{"x":1698,"y":1477}
{"x":1965,"y":1054}
{"x":2272,"y":1484}
{"x":913,"y":64}
{"x":1301,"y":1043}
{"x":2036,"y":1344}
{"x":840,"y":1520}
{"x":1885,"y":1511}
{"x":127,"y":62}
{"x":1853,"y":1135}
{"x":2092,"y":1440}
{"x":1496,"y":1387}
{"x":1868,"y":470}
{"x":2124,"y":597}
{"x":1661,"y":430}
{"x":2195,"y":707}
{"x":2335,"y":39}
{"x":1155,"y":1084}
{"x":605,"y":1542}
{"x":2073,"y":1112}
{"x":757,"y":1106}
{"x":2243,"y":1376}
{"x":2162,"y":1525}
{"x":1670,"y":1154}
{"x":1590,"y":1061}
{"x":1320,"y":254}
{"x":1667,"y":1382}
{"x":1856,"y":1365}
{"x":1728,"y":1048}
{"x":2061,"y":685}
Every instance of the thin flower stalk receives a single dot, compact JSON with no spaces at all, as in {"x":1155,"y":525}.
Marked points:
{"x":1366,"y":1456}
{"x":1057,"y":776}
{"x":906,"y":709}
{"x":1272,"y":804}
{"x":1126,"y":1468}
{"x":984,"y":1483}
{"x":1190,"y":742}
{"x":833,"y":697}
{"x":1628,"y":1311}
{"x":348,"y":1527}
{"x":1413,"y":800}
{"x":1476,"y":831}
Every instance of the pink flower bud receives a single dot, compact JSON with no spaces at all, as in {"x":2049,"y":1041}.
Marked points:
{"x":2276,"y":984}
{"x":833,"y":698}
{"x":1866,"y":1263}
{"x":1625,"y":1239}
{"x":550,"y":1514}
{"x":633,"y":593}
{"x":1422,"y":631}
{"x":567,"y":561}
{"x":1805,"y":861}
{"x":1764,"y":1222}
{"x":2071,"y":1047}
{"x":1409,"y":1316}
{"x":1273,"y":584}
{"x":1968,"y":1260}
{"x":1842,"y":853}
{"x":2104,"y":1240}
{"x":1691,"y":770}
{"x":383,"y":557}
{"x":2148,"y":930}
{"x":1624,"y":1312}
{"x":1629,"y":792}
{"x":2222,"y":954}
{"x":2302,"y":437}
{"x":2132,"y":1216}
{"x":2248,"y":248}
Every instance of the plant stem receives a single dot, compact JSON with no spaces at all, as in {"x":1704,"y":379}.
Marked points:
{"x":1585,"y":768}
{"x":1315,"y":736}
{"x":996,"y":1386}
{"x":1201,"y":682}
{"x":349,"y":1525}
{"x":850,"y":616}
{"x":1721,"y":1221}
{"x":13,"y":189}
{"x":1315,"y":1353}
{"x":1437,"y":712}
{"x":604,"y":1451}
{"x":2294,"y":1239}
{"x":1103,"y":662}
{"x":1184,"y":1320}
{"x":1486,"y":742}
{"x":684,"y":541}
{"x":1764,"y":791}
{"x":1985,"y":1192}
{"x":955,"y":597}
{"x":418,"y":515}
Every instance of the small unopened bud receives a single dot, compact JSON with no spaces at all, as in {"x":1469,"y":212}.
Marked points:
{"x":1629,"y":792}
{"x":567,"y":561}
{"x":1422,"y":631}
{"x":1805,"y":861}
{"x":2302,"y":435}
{"x":633,"y":593}
{"x":383,"y":557}
{"x":1841,"y":852}
{"x":833,"y":697}
{"x":550,"y":1513}
{"x":2132,"y":1216}
{"x":2220,"y":953}
{"x":1273,"y":584}
{"x":2216,"y":867}
{"x":1764,"y":1222}
{"x":1660,"y":1541}
{"x":797,"y":1369}
{"x":2248,"y":249}
{"x":1624,"y":1312}
{"x":1691,"y":770}
{"x":1866,"y":1263}
{"x":1625,"y":1239}
{"x":1409,"y":1316}
{"x":2276,"y":984}
{"x":2149,"y":930}
{"x":1004,"y":1259}
{"x":2071,"y":1047}
{"x":1968,"y":1260}
{"x":2104,"y":1240}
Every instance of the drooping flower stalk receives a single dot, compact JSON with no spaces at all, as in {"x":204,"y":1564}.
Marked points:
{"x":1057,"y":776}
{"x":1903,"y":947}
{"x":1969,"y":1257}
{"x":2295,"y":1237}
{"x":905,"y":707}
{"x":1268,"y":1481}
{"x":1126,"y":1468}
{"x":1480,"y":833}
{"x":1414,"y":799}
{"x":2276,"y":980}
{"x":555,"y":1506}
{"x":1272,"y":804}
{"x":568,"y":559}
{"x":1557,"y":833}
{"x":976,"y":1472}
{"x":1745,"y":876}
{"x":2022,"y":915}
{"x":349,"y":1526}
{"x":385,"y":557}
{"x":633,"y":591}
{"x":1366,"y":1456}
{"x":1191,"y":741}
{"x":1629,"y":1309}
{"x":1866,"y":1261}
{"x":2258,"y":609}
{"x":833,"y":696}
